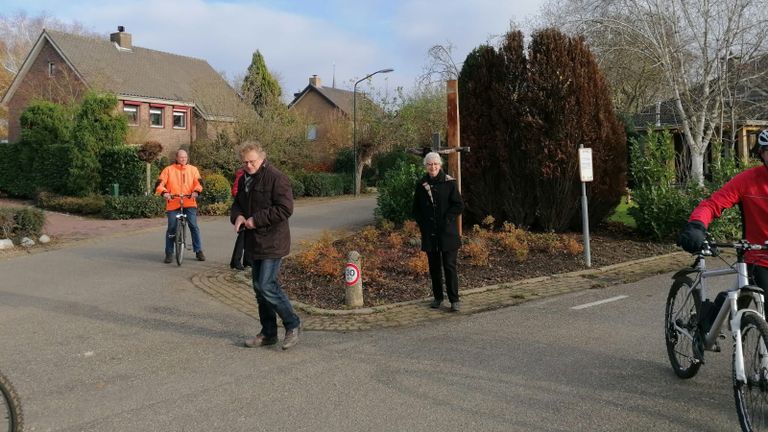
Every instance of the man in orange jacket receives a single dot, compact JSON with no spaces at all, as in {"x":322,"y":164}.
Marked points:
{"x":176,"y":179}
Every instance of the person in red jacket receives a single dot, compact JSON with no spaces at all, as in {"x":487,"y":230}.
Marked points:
{"x":748,"y":189}
{"x":176,"y":179}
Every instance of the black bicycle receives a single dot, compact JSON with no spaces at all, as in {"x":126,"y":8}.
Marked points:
{"x":180,"y":236}
{"x":10,"y":407}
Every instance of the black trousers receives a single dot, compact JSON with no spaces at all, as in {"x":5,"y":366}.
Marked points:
{"x":444,"y":262}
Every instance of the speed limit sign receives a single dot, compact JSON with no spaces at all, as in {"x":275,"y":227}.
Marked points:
{"x":351,"y":274}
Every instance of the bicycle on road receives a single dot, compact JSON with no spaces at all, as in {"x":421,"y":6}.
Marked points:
{"x":180,"y":236}
{"x":687,"y":336}
{"x":10,"y":407}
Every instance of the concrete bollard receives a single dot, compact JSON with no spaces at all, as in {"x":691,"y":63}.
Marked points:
{"x":353,"y":281}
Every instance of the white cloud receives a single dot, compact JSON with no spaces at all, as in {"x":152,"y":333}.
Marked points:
{"x":299,"y":40}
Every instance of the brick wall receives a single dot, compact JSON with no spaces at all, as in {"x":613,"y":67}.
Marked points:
{"x":62,"y":86}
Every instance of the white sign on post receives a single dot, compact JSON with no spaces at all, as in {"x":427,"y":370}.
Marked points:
{"x":585,"y":164}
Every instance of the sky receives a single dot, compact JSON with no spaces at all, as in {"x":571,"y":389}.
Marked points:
{"x":298,"y":39}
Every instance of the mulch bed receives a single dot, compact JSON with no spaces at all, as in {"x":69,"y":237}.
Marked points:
{"x":393,"y":282}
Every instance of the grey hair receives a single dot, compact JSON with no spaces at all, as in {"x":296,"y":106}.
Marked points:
{"x":433,"y":156}
{"x":249,"y":146}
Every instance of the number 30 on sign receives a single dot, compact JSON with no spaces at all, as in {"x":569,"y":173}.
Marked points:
{"x":351,"y":274}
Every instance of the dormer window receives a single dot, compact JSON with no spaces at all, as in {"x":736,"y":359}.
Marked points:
{"x":51,"y":69}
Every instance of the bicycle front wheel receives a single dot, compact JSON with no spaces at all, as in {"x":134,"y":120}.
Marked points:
{"x":10,"y":407}
{"x":180,"y":240}
{"x":752,"y":397}
{"x":681,"y":322}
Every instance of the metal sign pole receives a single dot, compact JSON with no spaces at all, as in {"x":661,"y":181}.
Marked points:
{"x":585,"y":165}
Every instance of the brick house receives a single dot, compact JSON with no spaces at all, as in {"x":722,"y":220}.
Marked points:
{"x":166,"y":97}
{"x":328,"y":112}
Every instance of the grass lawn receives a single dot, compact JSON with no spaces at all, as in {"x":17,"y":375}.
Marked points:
{"x":621,"y":215}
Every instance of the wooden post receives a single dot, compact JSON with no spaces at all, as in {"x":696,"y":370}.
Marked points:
{"x":453,"y":138}
{"x":353,"y":296}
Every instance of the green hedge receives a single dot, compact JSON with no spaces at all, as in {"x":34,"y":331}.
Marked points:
{"x":297,"y":186}
{"x":121,"y":165}
{"x":325,"y":184}
{"x":133,"y":207}
{"x":88,"y":205}
{"x":16,"y":223}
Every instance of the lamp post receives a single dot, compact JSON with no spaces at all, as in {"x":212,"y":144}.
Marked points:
{"x":354,"y":126}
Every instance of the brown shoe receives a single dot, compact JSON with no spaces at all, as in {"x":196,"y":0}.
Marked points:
{"x":200,"y":256}
{"x":168,"y":258}
{"x":291,"y":338}
{"x":260,"y":340}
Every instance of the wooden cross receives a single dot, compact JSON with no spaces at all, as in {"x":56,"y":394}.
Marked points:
{"x":454,"y":150}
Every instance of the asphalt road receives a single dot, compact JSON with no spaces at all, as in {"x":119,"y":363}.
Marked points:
{"x":102,"y":336}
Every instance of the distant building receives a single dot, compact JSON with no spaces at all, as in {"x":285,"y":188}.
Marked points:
{"x":166,"y":97}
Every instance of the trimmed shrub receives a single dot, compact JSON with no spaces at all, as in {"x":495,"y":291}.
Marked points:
{"x":133,"y":207}
{"x":16,"y":223}
{"x":297,"y":186}
{"x":121,"y":165}
{"x":324,"y":184}
{"x":216,"y":188}
{"x":88,"y":205}
{"x":395,"y":200}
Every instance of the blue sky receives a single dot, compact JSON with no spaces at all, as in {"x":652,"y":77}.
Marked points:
{"x":299,"y":38}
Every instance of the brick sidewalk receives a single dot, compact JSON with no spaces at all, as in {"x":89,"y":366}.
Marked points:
{"x":234,"y":289}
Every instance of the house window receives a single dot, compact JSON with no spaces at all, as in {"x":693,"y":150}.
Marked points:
{"x":131,"y":113}
{"x":156,"y":117}
{"x":312,"y":132}
{"x":179,"y":119}
{"x":51,"y":69}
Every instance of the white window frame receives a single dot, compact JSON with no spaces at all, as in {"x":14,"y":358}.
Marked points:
{"x":128,"y":108}
{"x":312,"y":133}
{"x":155,"y":110}
{"x":183,"y":114}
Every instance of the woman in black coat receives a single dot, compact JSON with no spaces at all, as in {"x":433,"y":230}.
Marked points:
{"x":436,"y":204}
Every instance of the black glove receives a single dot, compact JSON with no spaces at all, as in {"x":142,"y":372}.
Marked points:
{"x":692,"y":237}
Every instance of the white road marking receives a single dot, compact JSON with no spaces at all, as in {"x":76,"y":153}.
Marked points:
{"x":599,"y":302}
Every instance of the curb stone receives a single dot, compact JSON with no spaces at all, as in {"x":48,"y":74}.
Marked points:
{"x":233,"y":288}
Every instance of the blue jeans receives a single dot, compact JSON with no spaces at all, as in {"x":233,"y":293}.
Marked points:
{"x":191,"y":212}
{"x":271,"y":298}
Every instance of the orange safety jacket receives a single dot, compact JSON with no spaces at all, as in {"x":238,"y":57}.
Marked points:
{"x":179,"y":179}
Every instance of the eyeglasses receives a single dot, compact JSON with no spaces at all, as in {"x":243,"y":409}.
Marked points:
{"x":251,"y":162}
{"x":434,"y":164}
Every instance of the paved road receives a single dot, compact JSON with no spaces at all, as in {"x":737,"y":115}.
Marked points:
{"x":104,"y":338}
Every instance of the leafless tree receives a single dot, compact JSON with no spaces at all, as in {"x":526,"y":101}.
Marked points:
{"x":706,"y":51}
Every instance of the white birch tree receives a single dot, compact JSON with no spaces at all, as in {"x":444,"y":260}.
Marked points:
{"x":706,"y":51}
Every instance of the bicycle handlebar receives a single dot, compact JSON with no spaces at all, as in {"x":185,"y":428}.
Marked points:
{"x":711,"y":247}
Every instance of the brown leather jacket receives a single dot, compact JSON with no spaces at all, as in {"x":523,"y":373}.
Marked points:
{"x":269,"y":201}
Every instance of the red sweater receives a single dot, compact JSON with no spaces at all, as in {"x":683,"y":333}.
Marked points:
{"x":238,"y":174}
{"x":749,"y":189}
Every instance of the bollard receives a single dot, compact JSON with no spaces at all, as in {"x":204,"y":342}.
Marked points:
{"x":354,"y":283}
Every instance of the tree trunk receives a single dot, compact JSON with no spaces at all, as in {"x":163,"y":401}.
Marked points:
{"x":358,"y":178}
{"x":697,"y":165}
{"x":149,"y":179}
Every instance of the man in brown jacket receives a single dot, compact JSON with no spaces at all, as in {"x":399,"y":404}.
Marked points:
{"x":262,"y":206}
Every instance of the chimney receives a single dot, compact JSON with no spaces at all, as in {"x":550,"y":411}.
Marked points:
{"x":121,"y":38}
{"x":315,"y":81}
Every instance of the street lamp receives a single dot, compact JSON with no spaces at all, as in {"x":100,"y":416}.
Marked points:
{"x":354,"y":126}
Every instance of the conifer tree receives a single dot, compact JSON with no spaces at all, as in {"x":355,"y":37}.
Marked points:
{"x":259,"y":87}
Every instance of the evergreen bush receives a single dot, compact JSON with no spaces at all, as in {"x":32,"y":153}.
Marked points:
{"x":217,"y":193}
{"x":324,"y":184}
{"x":395,"y":200}
{"x":133,"y":207}
{"x":88,"y":205}
{"x":121,"y":165}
